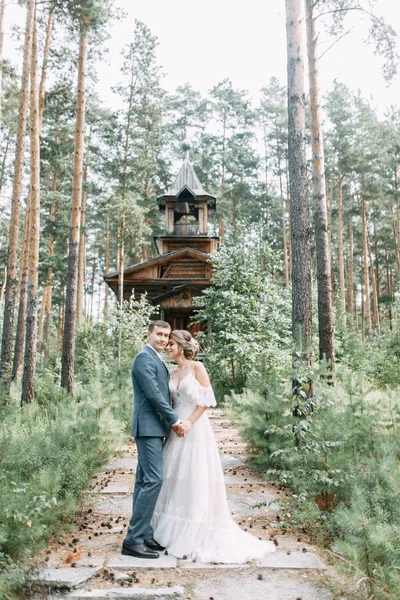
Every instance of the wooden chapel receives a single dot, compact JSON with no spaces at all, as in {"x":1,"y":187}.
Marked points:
{"x":181,"y":270}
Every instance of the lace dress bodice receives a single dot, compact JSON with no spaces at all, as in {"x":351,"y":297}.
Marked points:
{"x":190,"y":393}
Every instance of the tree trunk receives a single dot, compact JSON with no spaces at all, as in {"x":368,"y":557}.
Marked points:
{"x":82,"y":255}
{"x":340,"y":242}
{"x":11,"y":283}
{"x":350,"y":294}
{"x":45,"y":312}
{"x":397,"y":237}
{"x":325,"y":323}
{"x":60,"y":320}
{"x":46,"y":53}
{"x":289,"y":237}
{"x":300,"y":223}
{"x":4,"y":161}
{"x":367,"y":308}
{"x":121,"y":245}
{"x":330,"y":207}
{"x":94,"y":267}
{"x":374,"y":290}
{"x":67,"y":365}
{"x":2,"y":11}
{"x":23,"y":276}
{"x":283,"y":217}
{"x":107,"y":264}
{"x":28,"y":378}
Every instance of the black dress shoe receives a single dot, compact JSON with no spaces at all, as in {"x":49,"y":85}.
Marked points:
{"x":153,"y":545}
{"x":138,"y":550}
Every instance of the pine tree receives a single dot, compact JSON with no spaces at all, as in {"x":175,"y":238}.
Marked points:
{"x":11,"y":281}
{"x":301,"y":259}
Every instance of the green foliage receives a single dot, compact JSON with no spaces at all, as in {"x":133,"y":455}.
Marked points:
{"x":49,"y":451}
{"x":245,"y":311}
{"x":337,"y":453}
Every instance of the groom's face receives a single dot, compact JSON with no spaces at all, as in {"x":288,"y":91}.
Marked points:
{"x":158,"y":338}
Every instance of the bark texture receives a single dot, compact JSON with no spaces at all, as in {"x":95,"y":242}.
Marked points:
{"x":325,"y":322}
{"x":28,"y":378}
{"x":82,"y":256}
{"x":299,"y":211}
{"x":11,"y":283}
{"x":2,"y":10}
{"x":23,"y":292}
{"x":46,"y":54}
{"x":67,"y":364}
{"x":340,"y":242}
{"x":367,"y":300}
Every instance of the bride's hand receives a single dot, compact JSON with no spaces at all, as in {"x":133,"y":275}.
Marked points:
{"x":186,"y":425}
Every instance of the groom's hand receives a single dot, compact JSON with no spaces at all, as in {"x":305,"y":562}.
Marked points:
{"x":178,"y":429}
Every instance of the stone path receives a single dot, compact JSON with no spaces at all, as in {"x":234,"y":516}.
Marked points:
{"x":86,"y":562}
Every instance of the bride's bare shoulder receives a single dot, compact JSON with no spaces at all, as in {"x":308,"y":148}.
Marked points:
{"x":201,"y":373}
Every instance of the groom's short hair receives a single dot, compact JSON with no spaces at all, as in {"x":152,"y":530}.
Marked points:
{"x":162,"y":324}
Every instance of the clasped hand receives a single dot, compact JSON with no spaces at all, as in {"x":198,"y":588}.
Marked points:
{"x":182,"y":428}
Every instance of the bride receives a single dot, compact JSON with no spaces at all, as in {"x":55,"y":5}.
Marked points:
{"x":192,"y":518}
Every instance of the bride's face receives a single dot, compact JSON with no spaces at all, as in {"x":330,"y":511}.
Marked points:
{"x":173,"y":349}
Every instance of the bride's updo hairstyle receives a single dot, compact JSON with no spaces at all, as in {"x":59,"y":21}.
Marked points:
{"x":186,"y":343}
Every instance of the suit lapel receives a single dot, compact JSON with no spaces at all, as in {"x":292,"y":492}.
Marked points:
{"x":155,"y":357}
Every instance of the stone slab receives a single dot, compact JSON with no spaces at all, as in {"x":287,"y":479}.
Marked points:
{"x":125,"y":463}
{"x":133,"y":593}
{"x":294,"y":560}
{"x":112,"y":505}
{"x":65,"y":578}
{"x":242,"y":480}
{"x":230,"y":460}
{"x":274,"y":585}
{"x":243,"y":505}
{"x":125,"y":563}
{"x":112,"y":489}
{"x":91,"y":561}
{"x":186,"y":564}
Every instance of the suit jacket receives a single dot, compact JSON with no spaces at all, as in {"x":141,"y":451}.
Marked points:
{"x":152,"y":414}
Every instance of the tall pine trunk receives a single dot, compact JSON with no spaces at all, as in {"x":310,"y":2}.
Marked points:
{"x":45,"y":312}
{"x":68,"y":353}
{"x":107,"y":257}
{"x":374,"y":290}
{"x":13,"y":238}
{"x":23,"y":293}
{"x":283,"y":217}
{"x":2,"y":10}
{"x":367,"y":300}
{"x":340,"y":242}
{"x":350,"y":286}
{"x":300,"y":222}
{"x":46,"y":54}
{"x":82,"y":255}
{"x":325,"y":323}
{"x":28,"y":378}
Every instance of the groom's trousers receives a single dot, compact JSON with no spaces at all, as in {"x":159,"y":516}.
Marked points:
{"x":149,"y":478}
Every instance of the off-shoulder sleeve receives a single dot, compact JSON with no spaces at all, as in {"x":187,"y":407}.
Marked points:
{"x":204,"y":396}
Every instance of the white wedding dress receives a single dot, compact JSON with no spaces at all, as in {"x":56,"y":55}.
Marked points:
{"x":192,"y":518}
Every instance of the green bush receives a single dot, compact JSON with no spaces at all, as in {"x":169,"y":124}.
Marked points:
{"x":338,"y":455}
{"x":49,"y":451}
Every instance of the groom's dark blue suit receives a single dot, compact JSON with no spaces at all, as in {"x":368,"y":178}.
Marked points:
{"x":152,"y":420}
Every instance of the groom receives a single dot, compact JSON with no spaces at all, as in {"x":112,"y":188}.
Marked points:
{"x":153,"y":418}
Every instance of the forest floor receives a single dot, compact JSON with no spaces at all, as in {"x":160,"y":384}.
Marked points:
{"x":86,"y":562}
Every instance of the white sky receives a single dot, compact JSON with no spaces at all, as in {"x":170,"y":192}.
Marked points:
{"x":203,"y":43}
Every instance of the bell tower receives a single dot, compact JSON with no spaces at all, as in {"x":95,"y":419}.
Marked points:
{"x":182,"y":269}
{"x":187,"y":207}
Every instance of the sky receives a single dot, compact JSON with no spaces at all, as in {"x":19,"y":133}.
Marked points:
{"x":203,"y":43}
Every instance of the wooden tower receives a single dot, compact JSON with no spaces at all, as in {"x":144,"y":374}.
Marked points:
{"x":182,"y":269}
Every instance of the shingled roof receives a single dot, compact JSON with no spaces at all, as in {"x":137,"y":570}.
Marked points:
{"x":186,"y":179}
